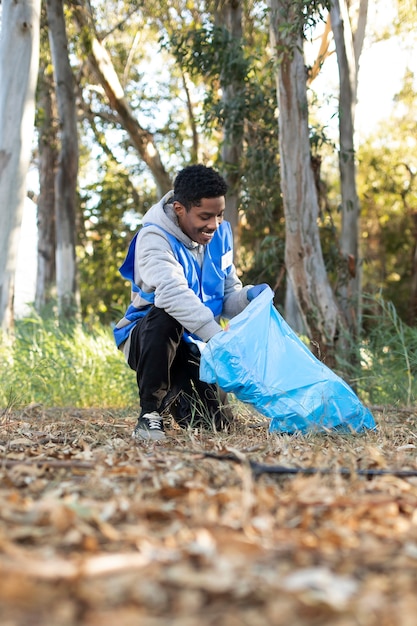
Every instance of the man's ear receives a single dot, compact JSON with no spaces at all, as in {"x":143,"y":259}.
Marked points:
{"x":178,"y":208}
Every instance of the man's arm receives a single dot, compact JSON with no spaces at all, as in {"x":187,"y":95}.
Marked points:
{"x":156,"y":269}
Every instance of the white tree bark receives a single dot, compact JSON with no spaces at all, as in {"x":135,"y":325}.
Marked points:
{"x":66,"y":178}
{"x":48,"y":157}
{"x":359,"y":31}
{"x":348,"y":50}
{"x":19,"y":60}
{"x":303,"y":254}
{"x":229,"y":15}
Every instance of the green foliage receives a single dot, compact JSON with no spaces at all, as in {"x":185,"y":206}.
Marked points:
{"x":263,"y":226}
{"x":389,"y":355}
{"x":387,"y":183}
{"x":212,"y":54}
{"x":111,"y":213}
{"x":56,"y":366}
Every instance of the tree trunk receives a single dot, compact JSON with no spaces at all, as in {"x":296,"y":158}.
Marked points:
{"x":230,"y":17}
{"x":103,"y":69}
{"x":48,"y":156}
{"x":303,"y":254}
{"x":195,"y":146}
{"x":350,"y":286}
{"x":19,"y":60}
{"x":66,"y":178}
{"x":359,"y":34}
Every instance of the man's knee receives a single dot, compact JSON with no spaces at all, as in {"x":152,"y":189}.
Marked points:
{"x":160,"y":322}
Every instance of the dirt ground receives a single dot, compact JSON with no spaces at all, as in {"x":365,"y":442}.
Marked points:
{"x":96,"y":530}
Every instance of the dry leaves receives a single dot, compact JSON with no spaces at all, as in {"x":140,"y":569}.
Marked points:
{"x":97,"y":530}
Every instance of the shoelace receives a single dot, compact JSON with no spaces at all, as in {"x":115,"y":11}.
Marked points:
{"x":154,"y":423}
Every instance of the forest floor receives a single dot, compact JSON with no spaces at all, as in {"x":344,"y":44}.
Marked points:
{"x":96,"y":530}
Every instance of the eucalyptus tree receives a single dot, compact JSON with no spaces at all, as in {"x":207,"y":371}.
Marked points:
{"x":306,"y":270}
{"x":349,"y":30}
{"x":228,"y":15}
{"x":19,"y":59}
{"x":47,"y":165}
{"x":67,"y":170}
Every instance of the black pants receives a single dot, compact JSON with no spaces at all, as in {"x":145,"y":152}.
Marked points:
{"x":167,"y":374}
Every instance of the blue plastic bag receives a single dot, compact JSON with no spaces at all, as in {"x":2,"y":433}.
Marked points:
{"x":263,"y":363}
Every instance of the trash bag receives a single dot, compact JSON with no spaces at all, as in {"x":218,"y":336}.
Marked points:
{"x":262,"y":362}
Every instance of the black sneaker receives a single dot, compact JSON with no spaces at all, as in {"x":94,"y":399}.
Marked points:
{"x":191,"y":412}
{"x":149,"y":427}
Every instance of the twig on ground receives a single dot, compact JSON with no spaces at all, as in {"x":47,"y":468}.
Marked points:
{"x":383,"y":409}
{"x":262,"y":468}
{"x":8,"y":463}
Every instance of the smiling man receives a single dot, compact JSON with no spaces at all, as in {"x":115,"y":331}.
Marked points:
{"x":180,"y":265}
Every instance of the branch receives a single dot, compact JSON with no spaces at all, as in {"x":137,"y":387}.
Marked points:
{"x":323,"y":52}
{"x":8,"y":463}
{"x":105,"y":73}
{"x":262,"y":468}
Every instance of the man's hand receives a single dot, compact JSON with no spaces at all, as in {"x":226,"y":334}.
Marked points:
{"x":255,"y":291}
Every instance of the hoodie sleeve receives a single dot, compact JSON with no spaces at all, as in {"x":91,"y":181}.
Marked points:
{"x":235,"y":295}
{"x":156,"y":269}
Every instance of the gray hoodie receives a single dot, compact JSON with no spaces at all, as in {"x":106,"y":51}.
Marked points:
{"x":157,"y":270}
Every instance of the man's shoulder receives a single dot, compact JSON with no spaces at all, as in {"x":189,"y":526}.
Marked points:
{"x":152,"y":235}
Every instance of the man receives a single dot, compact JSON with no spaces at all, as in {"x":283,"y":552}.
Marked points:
{"x":180,"y":264}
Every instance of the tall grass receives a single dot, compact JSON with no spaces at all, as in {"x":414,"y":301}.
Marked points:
{"x":57,"y":366}
{"x":389,"y":355}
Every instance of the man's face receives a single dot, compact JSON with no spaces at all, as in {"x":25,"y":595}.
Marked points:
{"x":201,"y":222}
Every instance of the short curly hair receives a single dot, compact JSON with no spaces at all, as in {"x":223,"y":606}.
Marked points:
{"x":195,"y":182}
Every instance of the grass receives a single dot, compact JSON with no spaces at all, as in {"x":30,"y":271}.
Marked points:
{"x":56,"y":366}
{"x":390,"y":356}
{"x":59,"y":366}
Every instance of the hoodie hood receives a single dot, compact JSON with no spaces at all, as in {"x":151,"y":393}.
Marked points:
{"x":162,"y":214}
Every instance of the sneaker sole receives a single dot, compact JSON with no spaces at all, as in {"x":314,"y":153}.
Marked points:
{"x":146,"y":435}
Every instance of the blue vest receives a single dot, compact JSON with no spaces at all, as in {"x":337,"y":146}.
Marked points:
{"x":207,"y":281}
